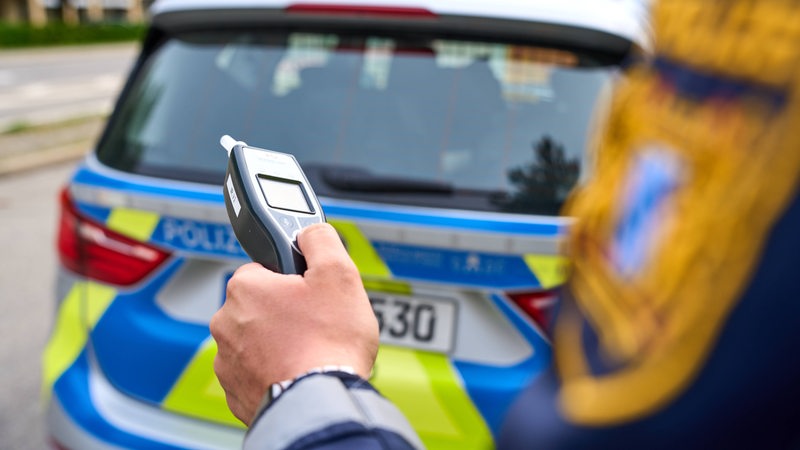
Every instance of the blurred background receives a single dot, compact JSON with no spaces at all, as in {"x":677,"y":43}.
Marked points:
{"x":62,"y":65}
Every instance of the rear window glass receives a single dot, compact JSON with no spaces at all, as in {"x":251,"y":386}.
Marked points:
{"x":432,"y":122}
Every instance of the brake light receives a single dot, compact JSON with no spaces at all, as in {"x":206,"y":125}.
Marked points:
{"x":360,"y":10}
{"x":89,"y":249}
{"x":540,"y":306}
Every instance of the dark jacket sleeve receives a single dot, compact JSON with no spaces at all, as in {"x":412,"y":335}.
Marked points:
{"x":331,"y":411}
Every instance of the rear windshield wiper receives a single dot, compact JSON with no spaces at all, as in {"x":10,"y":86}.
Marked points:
{"x":357,"y":179}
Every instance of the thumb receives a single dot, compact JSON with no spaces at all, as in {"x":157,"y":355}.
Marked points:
{"x":321,"y":246}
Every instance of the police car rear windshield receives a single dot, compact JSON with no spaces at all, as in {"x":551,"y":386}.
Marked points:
{"x":425,"y":121}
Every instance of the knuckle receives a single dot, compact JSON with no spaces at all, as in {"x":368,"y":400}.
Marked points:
{"x":350,"y":275}
{"x":215,"y":326}
{"x":219,"y":367}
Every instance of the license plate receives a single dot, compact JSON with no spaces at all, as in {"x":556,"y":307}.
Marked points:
{"x":416,"y":322}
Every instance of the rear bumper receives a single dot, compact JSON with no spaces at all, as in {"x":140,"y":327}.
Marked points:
{"x":86,"y":412}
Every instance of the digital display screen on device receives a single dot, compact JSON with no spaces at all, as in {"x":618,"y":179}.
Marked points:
{"x":285,"y":194}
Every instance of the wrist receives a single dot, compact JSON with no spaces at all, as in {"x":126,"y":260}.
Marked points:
{"x":275,"y":390}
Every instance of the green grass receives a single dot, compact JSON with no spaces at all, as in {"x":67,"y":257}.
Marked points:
{"x":16,"y":127}
{"x":24,"y":35}
{"x":23,"y":127}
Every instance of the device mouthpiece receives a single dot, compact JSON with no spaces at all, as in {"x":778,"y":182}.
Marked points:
{"x":228,"y":143}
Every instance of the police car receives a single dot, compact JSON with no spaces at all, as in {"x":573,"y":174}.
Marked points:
{"x":441,"y":136}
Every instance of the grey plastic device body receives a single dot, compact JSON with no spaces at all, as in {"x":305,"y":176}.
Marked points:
{"x":269,"y":200}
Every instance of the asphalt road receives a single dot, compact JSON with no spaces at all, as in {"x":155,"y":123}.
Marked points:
{"x":45,"y":85}
{"x":28,"y":216}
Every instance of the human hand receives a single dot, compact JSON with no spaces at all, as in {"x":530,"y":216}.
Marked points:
{"x":273,"y":327}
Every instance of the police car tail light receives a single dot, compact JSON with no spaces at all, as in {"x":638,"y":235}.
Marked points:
{"x":87,"y":248}
{"x":538,"y":305}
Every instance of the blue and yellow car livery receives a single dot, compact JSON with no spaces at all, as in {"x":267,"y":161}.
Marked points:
{"x":131,"y":366}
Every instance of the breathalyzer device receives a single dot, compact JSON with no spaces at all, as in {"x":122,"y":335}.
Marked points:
{"x":269,"y":200}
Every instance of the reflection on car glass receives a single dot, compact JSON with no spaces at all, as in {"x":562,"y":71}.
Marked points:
{"x":542,"y":186}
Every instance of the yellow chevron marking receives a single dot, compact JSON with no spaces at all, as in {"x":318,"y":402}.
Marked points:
{"x":71,"y":329}
{"x":428,"y":390}
{"x":367,"y":260}
{"x":550,"y":270}
{"x":198,"y":393}
{"x":387,"y":286}
{"x":133,"y":223}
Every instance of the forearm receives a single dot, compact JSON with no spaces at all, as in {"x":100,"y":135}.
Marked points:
{"x":331,"y":411}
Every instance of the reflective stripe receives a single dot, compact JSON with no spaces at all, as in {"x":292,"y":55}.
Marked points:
{"x":133,"y":223}
{"x":453,"y":266}
{"x":71,"y":329}
{"x":324,"y":401}
{"x":473,"y":221}
{"x":425,"y":227}
{"x":367,"y":260}
{"x":388,"y":286}
{"x":459,"y":239}
{"x":550,"y":270}
{"x":198,"y":392}
{"x":429,"y":391}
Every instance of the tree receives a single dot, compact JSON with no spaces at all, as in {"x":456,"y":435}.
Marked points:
{"x":542,"y":185}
